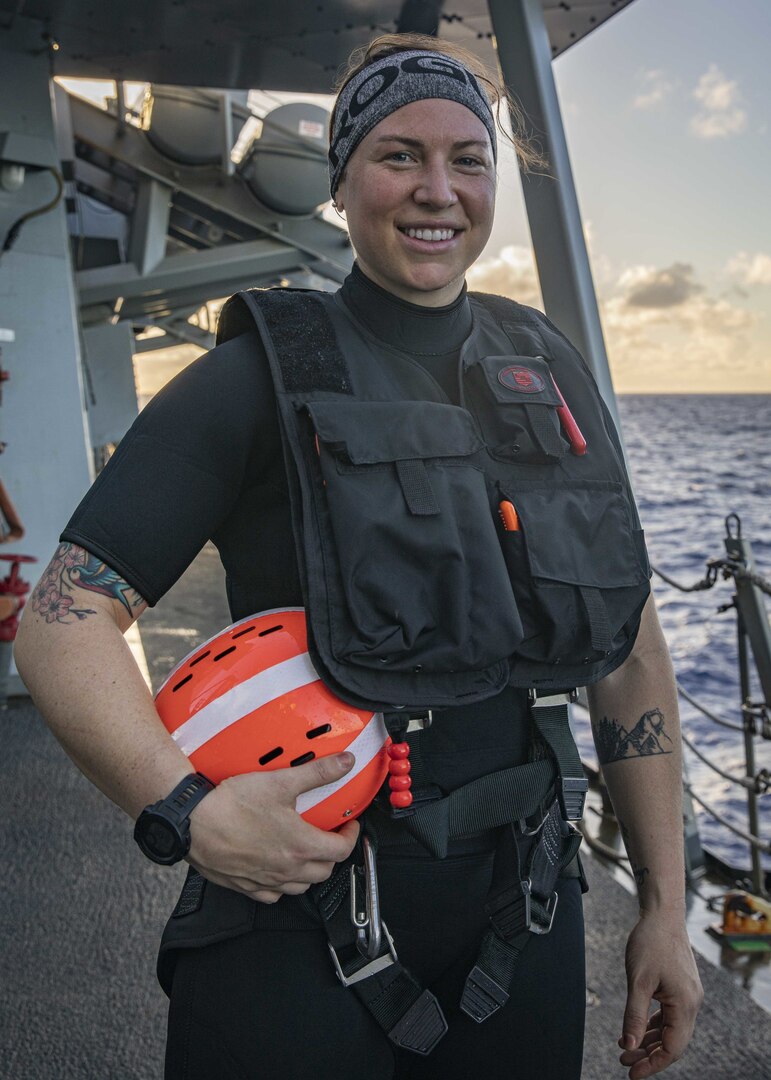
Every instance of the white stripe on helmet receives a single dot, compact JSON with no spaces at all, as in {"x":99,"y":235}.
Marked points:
{"x":367,"y":744}
{"x":243,"y":699}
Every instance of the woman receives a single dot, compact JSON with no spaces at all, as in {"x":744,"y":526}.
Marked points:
{"x":246,"y":960}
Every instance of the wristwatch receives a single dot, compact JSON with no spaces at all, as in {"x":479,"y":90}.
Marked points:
{"x":162,"y":829}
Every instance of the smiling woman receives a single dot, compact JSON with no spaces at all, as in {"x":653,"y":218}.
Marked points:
{"x":419,"y":194}
{"x":432,"y":476}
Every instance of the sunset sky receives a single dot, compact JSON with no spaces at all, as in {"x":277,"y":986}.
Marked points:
{"x":667,"y":109}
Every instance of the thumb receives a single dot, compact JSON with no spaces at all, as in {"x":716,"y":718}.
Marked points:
{"x":324,"y":770}
{"x":635,"y":1018}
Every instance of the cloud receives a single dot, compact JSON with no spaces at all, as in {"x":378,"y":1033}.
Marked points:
{"x":696,"y":343}
{"x":655,"y":90}
{"x":750,"y":269}
{"x":511,"y":273}
{"x":646,"y":287}
{"x":721,"y":113}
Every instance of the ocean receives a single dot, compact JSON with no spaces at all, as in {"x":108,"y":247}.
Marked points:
{"x":694,"y":460}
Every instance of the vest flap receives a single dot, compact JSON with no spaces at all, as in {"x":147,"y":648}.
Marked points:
{"x":379,"y":431}
{"x":578,"y":534}
{"x":526,"y":381}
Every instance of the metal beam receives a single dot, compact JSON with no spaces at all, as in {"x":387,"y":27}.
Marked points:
{"x":203,"y":271}
{"x":524,"y":54}
{"x":315,"y":238}
{"x":149,"y":225}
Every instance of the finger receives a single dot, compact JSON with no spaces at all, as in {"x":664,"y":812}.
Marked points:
{"x":265,"y":896}
{"x":317,"y":773}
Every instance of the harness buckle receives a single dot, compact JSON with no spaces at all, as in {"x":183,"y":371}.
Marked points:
{"x":571,"y":792}
{"x":421,"y":1027}
{"x":509,"y":911}
{"x":551,"y":701}
{"x":365,"y":915}
{"x":544,"y":927}
{"x":482,"y":996}
{"x":372,"y":968}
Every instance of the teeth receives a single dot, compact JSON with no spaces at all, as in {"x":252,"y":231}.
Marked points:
{"x":431,"y":234}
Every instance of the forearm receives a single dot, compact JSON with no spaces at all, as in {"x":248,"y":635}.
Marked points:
{"x":637,"y":734}
{"x":86,"y":684}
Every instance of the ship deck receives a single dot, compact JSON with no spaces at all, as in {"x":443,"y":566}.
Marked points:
{"x":83,"y":910}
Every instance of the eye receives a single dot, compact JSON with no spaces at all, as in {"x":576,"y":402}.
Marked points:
{"x":400,"y":157}
{"x":468,"y":161}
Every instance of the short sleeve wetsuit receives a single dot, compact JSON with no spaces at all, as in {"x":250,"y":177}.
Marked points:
{"x":204,"y":461}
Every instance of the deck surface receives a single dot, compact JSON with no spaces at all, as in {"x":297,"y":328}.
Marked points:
{"x":82,"y":912}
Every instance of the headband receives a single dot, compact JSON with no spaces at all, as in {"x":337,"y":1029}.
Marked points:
{"x":391,"y":82}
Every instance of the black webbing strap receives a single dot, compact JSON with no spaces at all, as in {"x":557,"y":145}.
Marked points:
{"x":546,"y":434}
{"x":523,"y":903}
{"x":486,"y":803}
{"x":416,"y":488}
{"x":597,"y":614}
{"x":551,"y":721}
{"x":410,"y":1016}
{"x":519,"y":905}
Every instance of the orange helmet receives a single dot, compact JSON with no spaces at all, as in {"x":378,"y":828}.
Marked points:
{"x":249,"y":700}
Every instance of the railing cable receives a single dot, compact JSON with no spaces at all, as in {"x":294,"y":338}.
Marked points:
{"x":760,"y":783}
{"x":754,"y":841}
{"x":707,"y":712}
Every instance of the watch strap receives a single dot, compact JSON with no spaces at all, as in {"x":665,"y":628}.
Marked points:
{"x":179,"y":803}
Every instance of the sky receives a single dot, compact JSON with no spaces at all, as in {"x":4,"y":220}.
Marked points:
{"x":667,"y":113}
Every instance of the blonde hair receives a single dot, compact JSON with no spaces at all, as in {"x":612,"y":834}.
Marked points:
{"x":529,"y":156}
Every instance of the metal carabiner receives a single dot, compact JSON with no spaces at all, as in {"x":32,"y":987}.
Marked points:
{"x":365,"y":915}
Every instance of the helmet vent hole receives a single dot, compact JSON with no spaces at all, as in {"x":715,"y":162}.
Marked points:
{"x":181,"y":683}
{"x":315,"y":732}
{"x":271,"y":755}
{"x":270,"y":630}
{"x":198,"y":659}
{"x":225,"y":653}
{"x":301,"y":760}
{"x":246,"y":630}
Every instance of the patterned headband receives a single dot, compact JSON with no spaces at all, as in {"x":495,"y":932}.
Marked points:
{"x":391,"y":82}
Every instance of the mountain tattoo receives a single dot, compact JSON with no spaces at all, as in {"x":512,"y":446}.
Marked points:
{"x":615,"y":743}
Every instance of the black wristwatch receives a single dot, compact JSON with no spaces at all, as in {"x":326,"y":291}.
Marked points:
{"x":162,"y":829}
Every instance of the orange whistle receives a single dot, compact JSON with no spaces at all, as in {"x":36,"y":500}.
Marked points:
{"x":509,"y":516}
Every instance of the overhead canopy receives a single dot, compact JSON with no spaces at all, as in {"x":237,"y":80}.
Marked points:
{"x":292,"y":45}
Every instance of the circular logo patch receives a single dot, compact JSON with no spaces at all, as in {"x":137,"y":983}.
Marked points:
{"x":521,"y":379}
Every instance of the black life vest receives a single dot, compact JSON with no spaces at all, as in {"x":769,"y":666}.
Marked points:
{"x":417,"y":594}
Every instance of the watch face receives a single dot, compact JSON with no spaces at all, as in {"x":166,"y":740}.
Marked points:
{"x":159,"y":838}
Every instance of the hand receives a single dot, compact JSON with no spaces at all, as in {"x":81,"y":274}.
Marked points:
{"x":247,"y":835}
{"x":659,"y":966}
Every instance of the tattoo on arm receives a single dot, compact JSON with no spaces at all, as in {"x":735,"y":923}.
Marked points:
{"x":615,"y":743}
{"x":73,"y":568}
{"x":640,"y":872}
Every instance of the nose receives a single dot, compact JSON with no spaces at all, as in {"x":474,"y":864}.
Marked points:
{"x":435,"y":186}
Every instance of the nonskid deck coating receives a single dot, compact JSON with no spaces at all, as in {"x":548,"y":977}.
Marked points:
{"x":82,"y":912}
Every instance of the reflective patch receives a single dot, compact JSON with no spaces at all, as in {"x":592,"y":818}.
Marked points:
{"x":522,"y":379}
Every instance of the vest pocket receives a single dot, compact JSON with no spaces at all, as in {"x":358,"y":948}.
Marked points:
{"x":516,"y":406}
{"x":405,"y":515}
{"x":575,"y":569}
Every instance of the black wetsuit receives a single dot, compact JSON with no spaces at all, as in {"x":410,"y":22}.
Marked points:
{"x":204,"y":461}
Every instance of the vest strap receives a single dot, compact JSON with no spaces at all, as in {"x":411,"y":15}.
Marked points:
{"x":411,"y":1016}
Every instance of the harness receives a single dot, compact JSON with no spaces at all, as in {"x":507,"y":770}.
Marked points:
{"x":447,"y":551}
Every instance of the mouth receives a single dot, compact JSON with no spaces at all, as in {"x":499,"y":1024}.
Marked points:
{"x":429,"y":235}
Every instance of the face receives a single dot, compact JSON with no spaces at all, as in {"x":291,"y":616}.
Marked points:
{"x":419,"y":194}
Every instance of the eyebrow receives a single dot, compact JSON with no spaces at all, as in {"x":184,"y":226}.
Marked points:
{"x":461,"y":144}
